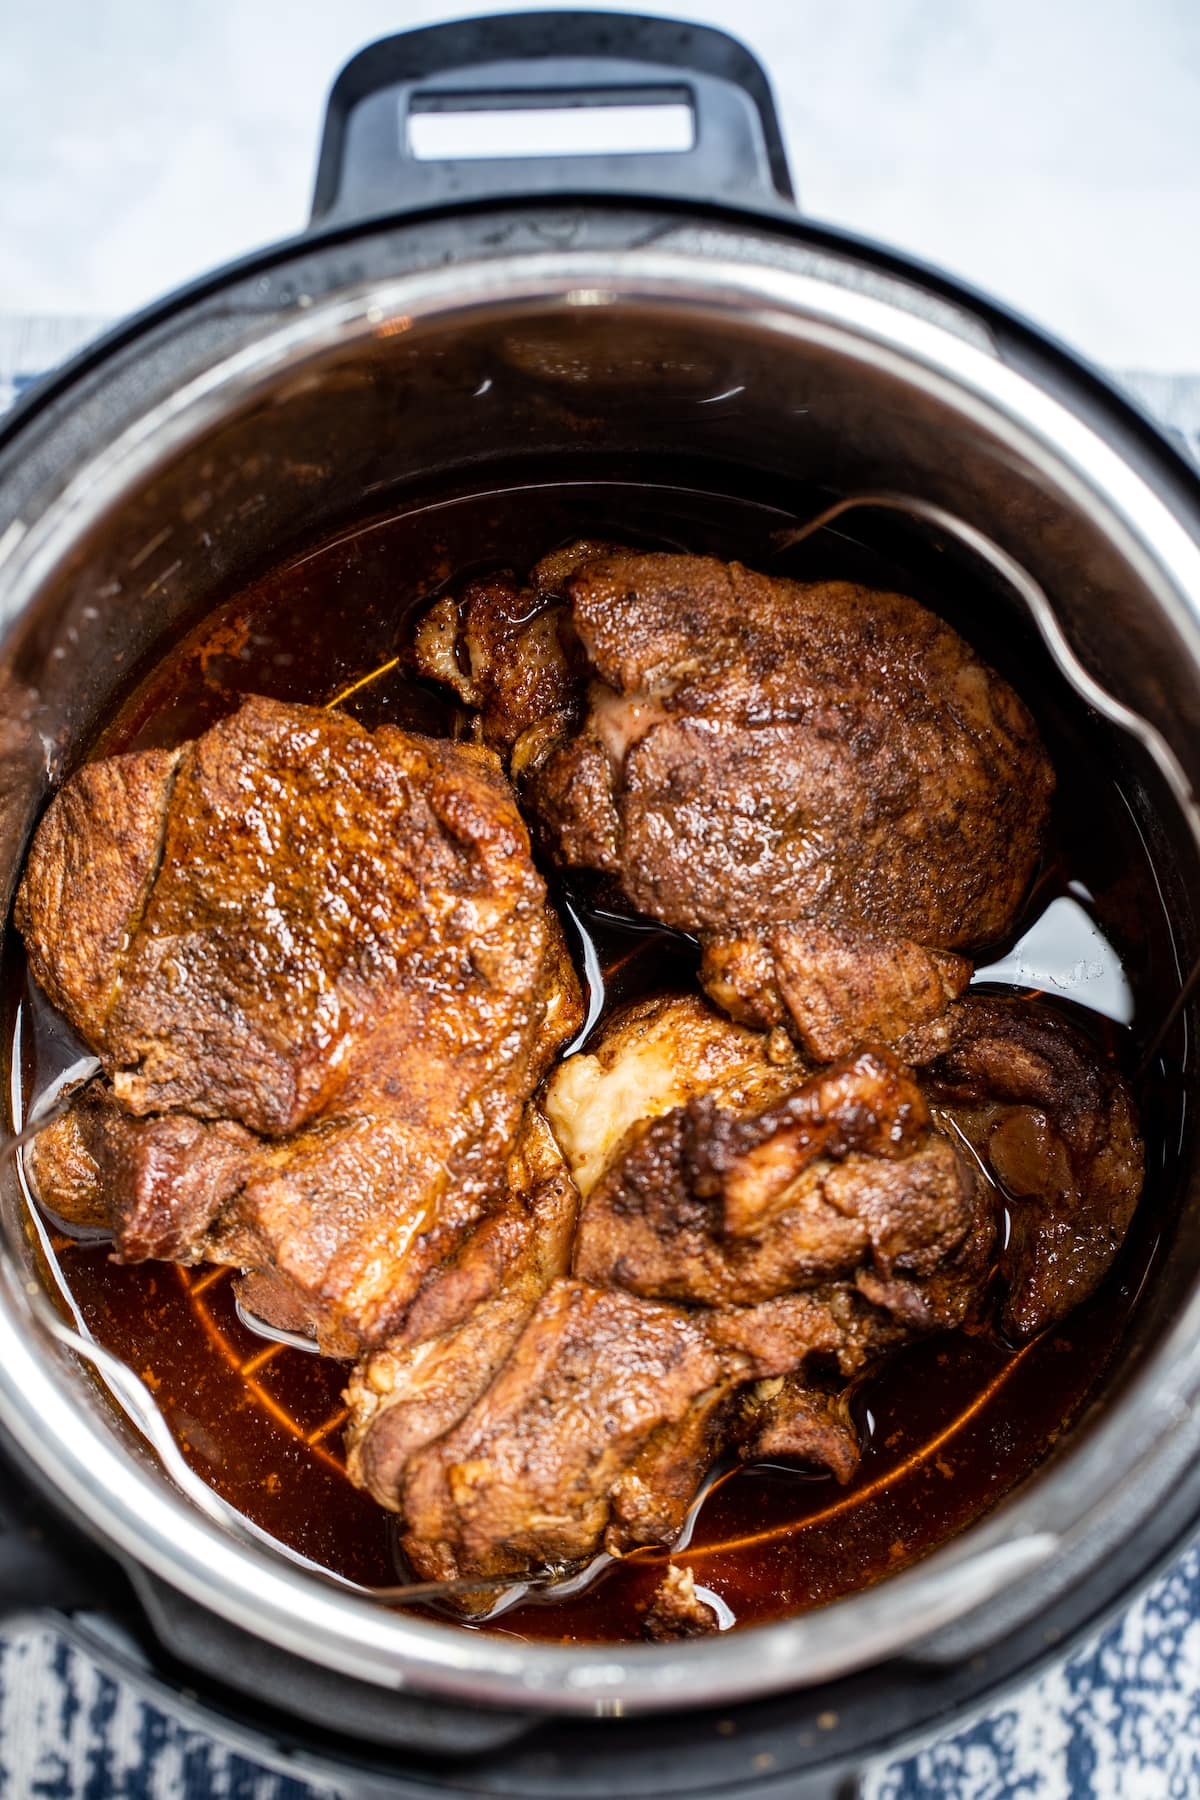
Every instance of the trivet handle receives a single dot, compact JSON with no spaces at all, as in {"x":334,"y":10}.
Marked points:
{"x":576,"y":65}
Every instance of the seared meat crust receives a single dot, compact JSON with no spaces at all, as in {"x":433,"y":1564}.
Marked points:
{"x":779,"y":749}
{"x":651,"y":1058}
{"x":159,"y":1183}
{"x":704,"y":1204}
{"x":1058,"y":1128}
{"x":760,"y":754}
{"x":598,"y":1428}
{"x":336,"y":983}
{"x":821,"y":781}
{"x":465,"y":1320}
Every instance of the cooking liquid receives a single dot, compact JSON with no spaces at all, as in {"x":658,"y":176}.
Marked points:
{"x":952,"y":1422}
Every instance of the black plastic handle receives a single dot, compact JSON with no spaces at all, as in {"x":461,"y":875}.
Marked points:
{"x":570,"y":59}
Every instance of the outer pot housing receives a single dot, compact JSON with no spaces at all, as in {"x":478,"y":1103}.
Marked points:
{"x":391,"y":349}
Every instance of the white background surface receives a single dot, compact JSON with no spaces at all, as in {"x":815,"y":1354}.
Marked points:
{"x":1048,"y":150}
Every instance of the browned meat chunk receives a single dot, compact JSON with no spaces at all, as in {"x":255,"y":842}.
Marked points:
{"x":837,"y":987}
{"x":651,"y":1058}
{"x":88,"y":879}
{"x":651,"y":1500}
{"x":159,"y":1183}
{"x":526,"y":1477}
{"x":329,"y":994}
{"x":790,"y":1417}
{"x":715,"y":1170}
{"x":676,"y":1609}
{"x":760,"y":754}
{"x":465,"y":1320}
{"x":598,"y":1428}
{"x":951,"y":1293}
{"x":1057,"y":1127}
{"x":703,"y":1204}
{"x":510,"y":653}
{"x":832,"y":1324}
{"x":65,"y":1174}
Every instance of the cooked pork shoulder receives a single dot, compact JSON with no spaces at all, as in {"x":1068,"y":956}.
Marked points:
{"x":713,"y":1173}
{"x":526,"y":1478}
{"x":509,"y":652}
{"x":653,"y":1224}
{"x":597,"y":1429}
{"x":676,"y":1609}
{"x":465,"y":1320}
{"x":753,"y":1235}
{"x":789,"y":1416}
{"x":321,"y":973}
{"x":822,"y":782}
{"x":1057,"y":1127}
{"x":744,"y":1220}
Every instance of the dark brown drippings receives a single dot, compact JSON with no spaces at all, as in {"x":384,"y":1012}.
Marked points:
{"x":260,"y":1422}
{"x":957,"y":1420}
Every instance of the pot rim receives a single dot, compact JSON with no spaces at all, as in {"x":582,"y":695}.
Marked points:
{"x":148,"y":1523}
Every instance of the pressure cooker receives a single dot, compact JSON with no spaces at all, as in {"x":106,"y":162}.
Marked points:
{"x":659,"y":293}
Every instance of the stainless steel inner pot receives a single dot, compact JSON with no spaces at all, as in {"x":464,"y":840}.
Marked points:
{"x":755,"y":350}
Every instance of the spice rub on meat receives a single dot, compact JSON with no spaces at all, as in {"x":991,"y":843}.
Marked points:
{"x":466,"y":1318}
{"x":816,"y":1221}
{"x":792,"y":1226}
{"x":1058,"y":1129}
{"x":824,"y":783}
{"x":321,"y":974}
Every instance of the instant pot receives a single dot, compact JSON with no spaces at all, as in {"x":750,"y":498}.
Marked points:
{"x":439,"y":317}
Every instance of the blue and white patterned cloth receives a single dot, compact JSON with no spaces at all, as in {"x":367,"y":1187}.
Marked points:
{"x":1118,"y":1720}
